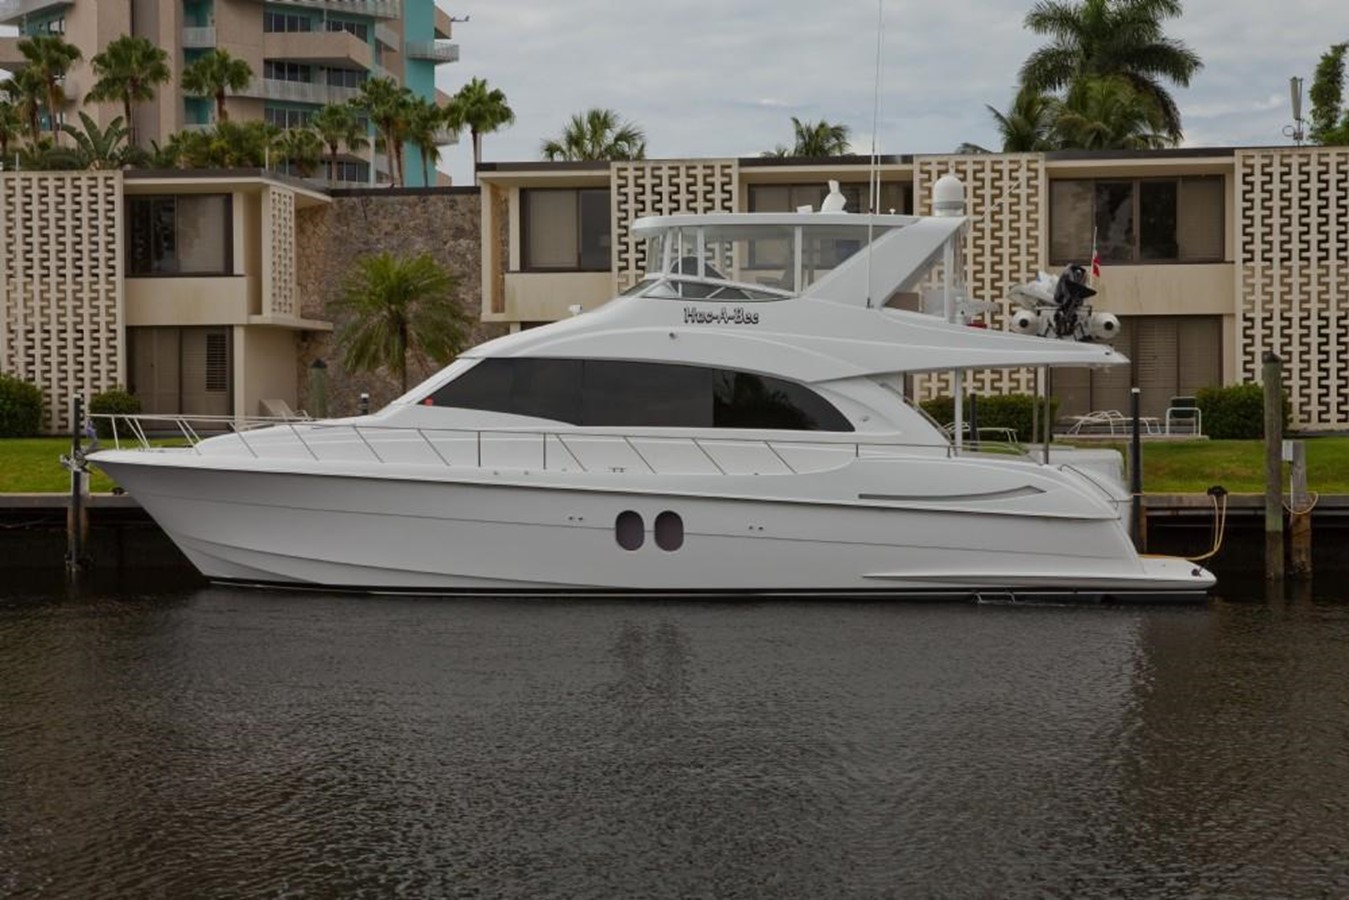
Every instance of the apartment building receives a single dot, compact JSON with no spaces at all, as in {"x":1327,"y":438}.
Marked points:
{"x":180,"y":286}
{"x":1211,"y":256}
{"x":304,"y":54}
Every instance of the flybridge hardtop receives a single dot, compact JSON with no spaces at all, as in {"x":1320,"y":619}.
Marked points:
{"x":785,"y":294}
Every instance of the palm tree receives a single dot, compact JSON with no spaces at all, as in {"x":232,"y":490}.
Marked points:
{"x":129,"y":69}
{"x":213,"y":75}
{"x":387,"y":104}
{"x":814,"y":139}
{"x":481,"y":110}
{"x":44,"y":154}
{"x":50,"y":58}
{"x":98,"y":148}
{"x":226,"y":146}
{"x":1028,"y":126}
{"x":399,"y":306}
{"x":26,"y":90}
{"x":597,"y":134}
{"x":424,"y":119}
{"x":1109,"y":114}
{"x":302,"y":148}
{"x":11,"y":128}
{"x":1122,"y":38}
{"x":335,"y":124}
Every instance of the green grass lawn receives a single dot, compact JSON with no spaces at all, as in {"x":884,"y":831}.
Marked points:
{"x":1193,"y":466}
{"x":31,"y":465}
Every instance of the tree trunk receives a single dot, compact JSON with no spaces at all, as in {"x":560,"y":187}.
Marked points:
{"x":426,"y":168}
{"x":51,"y":111}
{"x":476,"y":137}
{"x":130,"y":128}
{"x":220,"y":114}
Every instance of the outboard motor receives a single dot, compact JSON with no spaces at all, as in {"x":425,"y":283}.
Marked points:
{"x":1069,"y":295}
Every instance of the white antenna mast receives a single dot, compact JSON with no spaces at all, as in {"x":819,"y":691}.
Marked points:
{"x":874,"y":180}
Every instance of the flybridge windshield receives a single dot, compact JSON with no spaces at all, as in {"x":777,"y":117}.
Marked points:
{"x":748,"y":261}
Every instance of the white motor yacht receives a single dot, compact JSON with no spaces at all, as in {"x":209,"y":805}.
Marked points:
{"x":734,"y":424}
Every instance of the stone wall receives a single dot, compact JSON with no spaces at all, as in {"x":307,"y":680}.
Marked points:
{"x":444,"y":221}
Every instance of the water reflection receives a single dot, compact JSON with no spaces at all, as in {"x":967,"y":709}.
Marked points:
{"x":219,"y":741}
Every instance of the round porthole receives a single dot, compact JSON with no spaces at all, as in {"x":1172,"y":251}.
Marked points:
{"x":629,"y":530}
{"x":669,"y":531}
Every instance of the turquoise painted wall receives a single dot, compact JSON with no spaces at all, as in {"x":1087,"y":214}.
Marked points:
{"x":419,"y":24}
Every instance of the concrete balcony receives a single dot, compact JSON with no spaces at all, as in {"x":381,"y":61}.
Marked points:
{"x":10,"y":57}
{"x":437,"y":51}
{"x":198,"y":126}
{"x":298,"y":91}
{"x":387,"y":36}
{"x":378,"y":9}
{"x":446,"y":136}
{"x":327,"y":48}
{"x":378,"y":71}
{"x":11,"y":11}
{"x":545,"y":296}
{"x":444,"y":25}
{"x":199,"y":37}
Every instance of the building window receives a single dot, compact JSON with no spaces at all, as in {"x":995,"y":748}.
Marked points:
{"x":49,"y":26}
{"x":351,"y":78}
{"x":275,"y":22}
{"x":351,"y":171}
{"x":360,"y":29}
{"x":614,"y":394}
{"x":1172,"y":356}
{"x":283,"y":117}
{"x":277,"y":70}
{"x":566,"y":229}
{"x":895,"y":197}
{"x":184,"y":234}
{"x":1140,"y":220}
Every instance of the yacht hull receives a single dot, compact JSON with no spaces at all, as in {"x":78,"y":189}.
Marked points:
{"x":513,"y":532}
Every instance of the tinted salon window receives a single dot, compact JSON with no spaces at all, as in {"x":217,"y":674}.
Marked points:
{"x":656,"y":394}
{"x":611,"y":393}
{"x":743,"y":400}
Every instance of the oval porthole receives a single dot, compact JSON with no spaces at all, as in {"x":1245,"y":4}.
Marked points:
{"x":669,"y":531}
{"x":629,"y":530}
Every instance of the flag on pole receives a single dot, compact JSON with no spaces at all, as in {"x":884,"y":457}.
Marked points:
{"x":1095,"y":258}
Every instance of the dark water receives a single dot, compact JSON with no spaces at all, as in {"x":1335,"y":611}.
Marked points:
{"x":213,"y":741}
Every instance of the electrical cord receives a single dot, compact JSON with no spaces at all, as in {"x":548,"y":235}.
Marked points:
{"x":1218,"y":494}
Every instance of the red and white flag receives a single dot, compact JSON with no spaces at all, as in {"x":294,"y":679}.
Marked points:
{"x":1095,"y":258}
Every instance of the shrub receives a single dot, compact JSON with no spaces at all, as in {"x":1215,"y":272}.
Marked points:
{"x":1236,"y":412}
{"x":1012,"y":411}
{"x":20,"y":408}
{"x":114,"y":402}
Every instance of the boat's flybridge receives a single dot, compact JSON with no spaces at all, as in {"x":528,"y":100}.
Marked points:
{"x":739,"y":308}
{"x":753,"y":256}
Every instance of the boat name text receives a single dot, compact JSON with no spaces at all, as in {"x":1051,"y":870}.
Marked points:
{"x":727,"y":315}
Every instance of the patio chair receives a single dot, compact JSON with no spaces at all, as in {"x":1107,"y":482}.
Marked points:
{"x":1185,"y":411}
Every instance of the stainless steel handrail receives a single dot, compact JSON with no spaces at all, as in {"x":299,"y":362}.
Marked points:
{"x":188,"y":426}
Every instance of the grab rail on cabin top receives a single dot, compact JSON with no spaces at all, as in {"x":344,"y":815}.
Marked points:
{"x":145,"y":429}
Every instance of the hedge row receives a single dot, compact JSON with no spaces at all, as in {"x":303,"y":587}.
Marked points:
{"x":1012,"y":411}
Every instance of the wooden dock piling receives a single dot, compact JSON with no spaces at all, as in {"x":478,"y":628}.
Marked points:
{"x":1273,"y":375}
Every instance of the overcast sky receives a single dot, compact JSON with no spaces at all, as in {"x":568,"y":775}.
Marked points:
{"x":723,"y":77}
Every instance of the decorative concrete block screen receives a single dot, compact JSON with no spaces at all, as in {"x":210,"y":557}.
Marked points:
{"x":663,"y":188}
{"x":61,"y":323}
{"x":1006,"y":200}
{"x":1292,"y":226}
{"x":278,"y":274}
